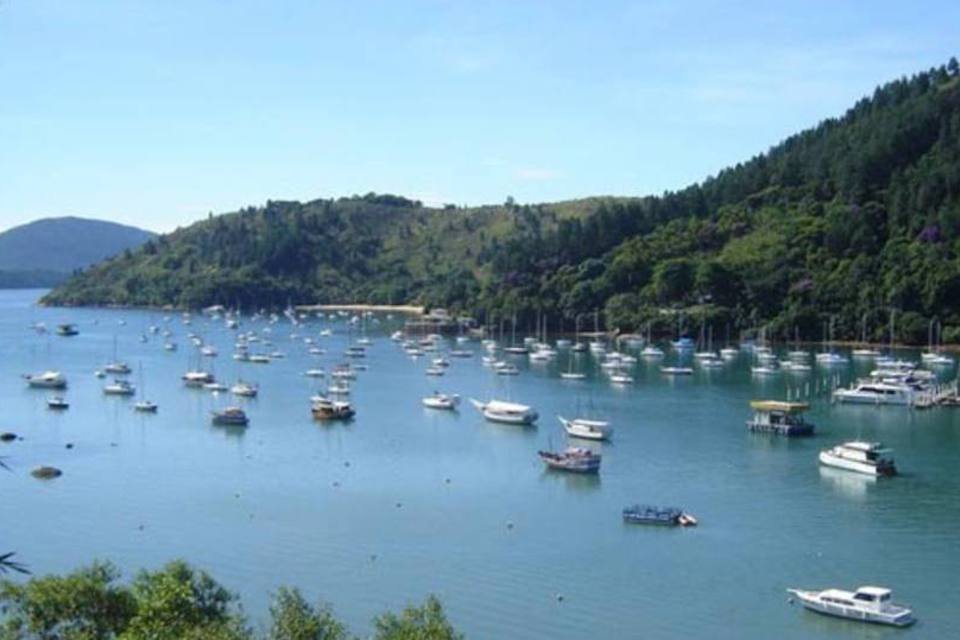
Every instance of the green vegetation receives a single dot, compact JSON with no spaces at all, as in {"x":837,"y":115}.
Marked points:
{"x":179,"y":602}
{"x":849,"y":220}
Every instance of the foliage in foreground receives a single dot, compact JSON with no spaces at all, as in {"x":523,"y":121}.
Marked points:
{"x":179,"y":602}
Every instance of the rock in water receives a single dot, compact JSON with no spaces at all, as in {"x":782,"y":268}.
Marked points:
{"x":45,"y":473}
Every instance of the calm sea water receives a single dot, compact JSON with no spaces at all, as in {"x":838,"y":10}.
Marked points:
{"x":403,"y":502}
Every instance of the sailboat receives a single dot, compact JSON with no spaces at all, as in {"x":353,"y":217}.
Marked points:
{"x":586,"y":428}
{"x":570,"y":374}
{"x":578,"y":346}
{"x":115,"y":366}
{"x":513,"y":348}
{"x":143,"y":405}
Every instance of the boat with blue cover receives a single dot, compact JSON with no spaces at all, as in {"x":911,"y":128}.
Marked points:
{"x":661,"y":516}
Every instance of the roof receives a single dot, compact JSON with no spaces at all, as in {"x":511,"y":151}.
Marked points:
{"x":779,"y":405}
{"x":874,"y":591}
{"x":863,"y":446}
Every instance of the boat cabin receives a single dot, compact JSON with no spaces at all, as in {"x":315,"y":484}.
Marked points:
{"x":776,"y":416}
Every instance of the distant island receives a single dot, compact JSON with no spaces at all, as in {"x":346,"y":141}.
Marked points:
{"x":45,"y":252}
{"x":833,"y":231}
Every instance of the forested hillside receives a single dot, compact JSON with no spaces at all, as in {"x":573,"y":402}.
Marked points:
{"x":850,"y":219}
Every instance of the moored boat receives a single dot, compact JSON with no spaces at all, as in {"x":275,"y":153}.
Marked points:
{"x":506,"y":412}
{"x":866,"y":604}
{"x":326,"y":409}
{"x":659,"y":516}
{"x":230,"y":417}
{"x":145,"y":406}
{"x":575,"y":459}
{"x":57,"y":403}
{"x":119,"y":387}
{"x":776,"y":416}
{"x":870,"y":458}
{"x":586,"y":429}
{"x":448,"y":402}
{"x":46,"y":380}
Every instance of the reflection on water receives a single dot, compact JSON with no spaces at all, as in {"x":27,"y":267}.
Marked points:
{"x":847,"y":483}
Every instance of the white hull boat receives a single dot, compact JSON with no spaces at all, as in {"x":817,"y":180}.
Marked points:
{"x":587,"y":429}
{"x":866,"y":604}
{"x":506,"y":412}
{"x":869,"y":458}
{"x":443,"y":401}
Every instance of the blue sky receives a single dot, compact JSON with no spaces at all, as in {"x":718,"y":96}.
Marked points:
{"x":155,"y":112}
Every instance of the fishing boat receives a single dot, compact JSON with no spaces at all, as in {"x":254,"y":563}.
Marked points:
{"x":46,"y":380}
{"x":658,"y":516}
{"x":448,"y":402}
{"x":67,"y":329}
{"x":327,"y":409}
{"x":506,"y":412}
{"x":57,"y":403}
{"x":119,"y":387}
{"x":575,"y":459}
{"x":869,"y":458}
{"x":776,"y":416}
{"x":586,"y":429}
{"x":866,"y":604}
{"x":230,"y":417}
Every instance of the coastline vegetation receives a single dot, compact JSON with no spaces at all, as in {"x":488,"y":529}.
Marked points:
{"x":179,"y":602}
{"x":843,"y":225}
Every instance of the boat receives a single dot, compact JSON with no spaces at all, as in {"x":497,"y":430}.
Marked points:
{"x":865,"y":353}
{"x":870,"y":458}
{"x":117,"y":367}
{"x":936,"y":359}
{"x":327,"y":409}
{"x":677,"y":371}
{"x":776,"y":416}
{"x":684,"y":343}
{"x":728,"y":353}
{"x":216,"y":387}
{"x":506,"y":412}
{"x":230,"y":417}
{"x":763,"y":370}
{"x":877,"y":392}
{"x":314,"y":373}
{"x":170,"y":346}
{"x":46,"y":380}
{"x":67,"y":329}
{"x":586,"y":429}
{"x":119,"y":387}
{"x":866,"y":604}
{"x":57,"y":403}
{"x":651,"y":351}
{"x":573,"y":375}
{"x":659,"y":516}
{"x":621,"y":377}
{"x":439,"y":400}
{"x":461,"y":353}
{"x":505,"y":368}
{"x":575,"y":459}
{"x":435,"y":371}
{"x":339,"y":389}
{"x":197,"y":379}
{"x":259,"y":358}
{"x":209,"y":351}
{"x":145,"y":406}
{"x":245,"y":389}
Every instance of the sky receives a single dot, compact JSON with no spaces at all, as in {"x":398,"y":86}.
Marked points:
{"x":156,"y":112}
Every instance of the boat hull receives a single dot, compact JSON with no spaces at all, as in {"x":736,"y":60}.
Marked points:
{"x":811,"y":602}
{"x":830,"y":460}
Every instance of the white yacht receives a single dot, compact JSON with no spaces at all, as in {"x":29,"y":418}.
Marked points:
{"x":587,"y":429}
{"x":651,"y":351}
{"x":119,"y":388}
{"x":47,"y":380}
{"x":865,"y":353}
{"x":245,"y":390}
{"x":866,"y":604}
{"x":506,"y":412}
{"x":197,"y":379}
{"x":447,"y":402}
{"x":117,"y":367}
{"x":870,"y":458}
{"x":877,"y":392}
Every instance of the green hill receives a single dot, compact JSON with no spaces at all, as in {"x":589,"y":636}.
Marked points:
{"x":847,"y":220}
{"x":45,"y":252}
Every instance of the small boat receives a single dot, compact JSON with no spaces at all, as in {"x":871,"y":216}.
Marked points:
{"x":314,"y":373}
{"x":119,"y":388}
{"x":516,"y":351}
{"x":866,"y":604}
{"x":461,"y":353}
{"x":327,"y":409}
{"x":728,"y":353}
{"x":117,"y":367}
{"x":575,"y":459}
{"x":197,"y":379}
{"x":586,"y":429}
{"x":344,"y":372}
{"x":506,"y":412}
{"x":259,"y":358}
{"x":677,"y":371}
{"x":775,"y":416}
{"x":67,"y":329}
{"x":660,"y":516}
{"x":865,"y":353}
{"x":685,"y":343}
{"x":506,"y":369}
{"x":764,"y":370}
{"x":170,"y":346}
{"x":230,"y":417}
{"x":573,"y":375}
{"x":339,"y":389}
{"x":47,"y":380}
{"x":216,"y":387}
{"x":651,"y":351}
{"x":442,"y":401}
{"x":870,"y":458}
{"x":621,"y":377}
{"x":57,"y":403}
{"x":435,"y":371}
{"x":145,"y":406}
{"x":209,"y":351}
{"x":245,"y":390}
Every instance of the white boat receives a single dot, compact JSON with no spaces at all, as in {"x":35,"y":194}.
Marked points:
{"x":339,"y":389}
{"x":209,"y":351}
{"x":245,"y":389}
{"x":215,"y":387}
{"x":505,"y":369}
{"x":877,"y":392}
{"x":763,"y":370}
{"x":728,"y":353}
{"x":448,"y":402}
{"x":119,"y":388}
{"x":870,"y":458}
{"x":676,"y":371}
{"x":865,"y":353}
{"x":937,"y":359}
{"x":435,"y":371}
{"x":866,"y":604}
{"x":117,"y":368}
{"x":573,"y":375}
{"x":829,"y":358}
{"x":506,"y":412}
{"x":314,"y":373}
{"x":197,"y":379}
{"x":587,"y":429}
{"x":57,"y":403}
{"x":621,"y":377}
{"x":259,"y":358}
{"x":170,"y":346}
{"x":651,"y":351}
{"x":47,"y":380}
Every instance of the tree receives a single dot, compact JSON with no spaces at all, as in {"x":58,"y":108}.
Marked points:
{"x":293,"y":618}
{"x":426,"y":622}
{"x":953,"y":67}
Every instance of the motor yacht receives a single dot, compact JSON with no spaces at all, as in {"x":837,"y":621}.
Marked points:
{"x":448,"y":402}
{"x":870,"y":458}
{"x":866,"y":604}
{"x":506,"y":412}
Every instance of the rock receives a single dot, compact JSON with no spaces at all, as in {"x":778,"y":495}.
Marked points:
{"x":45,"y":473}
{"x":7,"y":436}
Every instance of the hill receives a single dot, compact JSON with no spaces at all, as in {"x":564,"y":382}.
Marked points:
{"x":45,"y":252}
{"x":840,"y":223}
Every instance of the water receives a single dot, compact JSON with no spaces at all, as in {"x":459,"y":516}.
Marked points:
{"x":404,"y":502}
